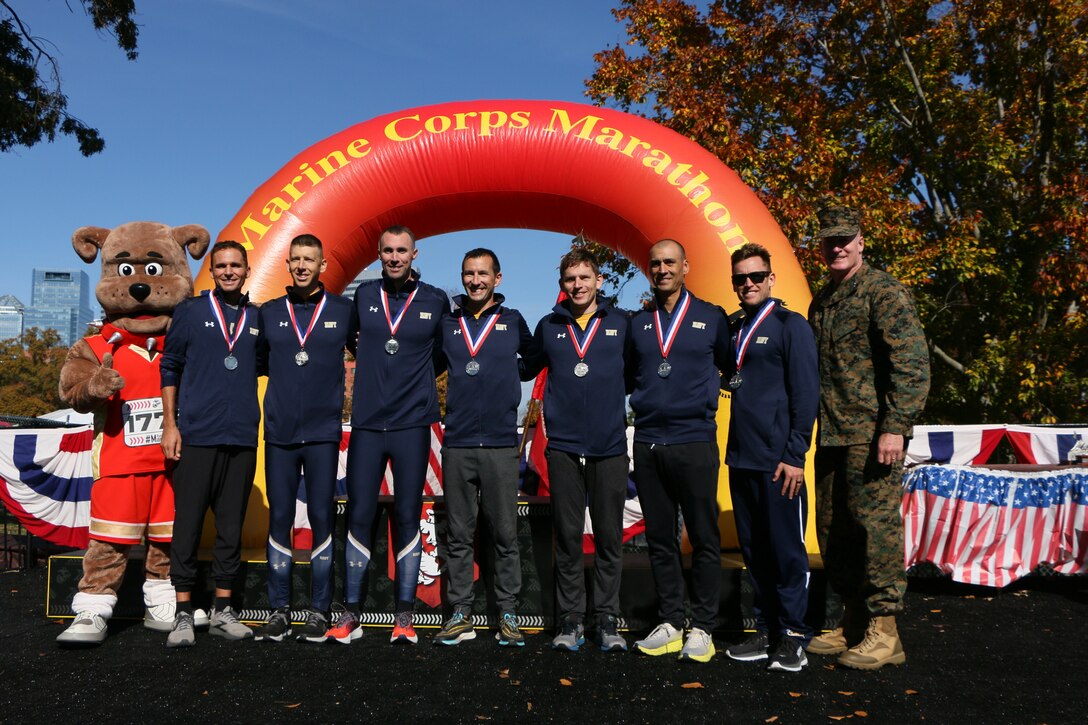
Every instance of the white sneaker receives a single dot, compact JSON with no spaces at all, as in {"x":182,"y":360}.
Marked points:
{"x":87,"y":629}
{"x":664,"y":639}
{"x":160,"y":617}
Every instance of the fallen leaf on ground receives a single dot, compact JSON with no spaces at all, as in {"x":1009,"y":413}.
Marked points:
{"x":935,"y":611}
{"x":692,"y":685}
{"x":837,"y":717}
{"x":483,"y":717}
{"x":515,"y":682}
{"x":565,"y":682}
{"x":504,"y":673}
{"x":772,"y":718}
{"x":529,"y":706}
{"x":844,"y":692}
{"x":911,"y":692}
{"x":796,"y":694}
{"x":861,"y":713}
{"x":293,"y":705}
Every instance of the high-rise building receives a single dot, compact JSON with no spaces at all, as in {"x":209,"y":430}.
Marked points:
{"x":60,"y":300}
{"x":11,"y":317}
{"x":366,"y":274}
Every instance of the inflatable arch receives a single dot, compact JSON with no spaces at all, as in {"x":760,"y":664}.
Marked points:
{"x":621,"y":180}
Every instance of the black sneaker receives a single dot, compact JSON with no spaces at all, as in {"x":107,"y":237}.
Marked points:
{"x":315,"y":628}
{"x":750,"y":650}
{"x":510,"y":634}
{"x":789,"y":655}
{"x":276,"y":628}
{"x":456,"y":630}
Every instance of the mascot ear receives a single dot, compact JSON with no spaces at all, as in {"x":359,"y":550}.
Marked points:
{"x":193,"y":237}
{"x":88,"y":240}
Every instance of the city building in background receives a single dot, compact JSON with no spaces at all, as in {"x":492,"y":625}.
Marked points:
{"x":60,"y":300}
{"x":11,"y":317}
{"x":366,"y":274}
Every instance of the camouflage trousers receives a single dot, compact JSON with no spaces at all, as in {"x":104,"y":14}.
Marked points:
{"x":859,"y":528}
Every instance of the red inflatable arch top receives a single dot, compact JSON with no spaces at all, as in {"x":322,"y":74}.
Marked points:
{"x":622,"y":180}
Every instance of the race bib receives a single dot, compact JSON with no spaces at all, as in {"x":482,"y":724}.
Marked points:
{"x":143,"y":422}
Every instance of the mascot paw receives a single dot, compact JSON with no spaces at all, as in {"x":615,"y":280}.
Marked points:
{"x":106,"y":381}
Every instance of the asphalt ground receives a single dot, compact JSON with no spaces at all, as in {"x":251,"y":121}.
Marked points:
{"x":973,"y":654}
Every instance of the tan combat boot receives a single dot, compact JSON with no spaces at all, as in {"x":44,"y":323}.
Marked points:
{"x":880,"y":647}
{"x":851,"y":629}
{"x":829,"y":643}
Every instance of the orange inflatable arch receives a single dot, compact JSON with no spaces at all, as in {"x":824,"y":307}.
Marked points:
{"x":621,"y":180}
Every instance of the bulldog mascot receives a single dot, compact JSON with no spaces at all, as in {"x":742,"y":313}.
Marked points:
{"x":115,"y":375}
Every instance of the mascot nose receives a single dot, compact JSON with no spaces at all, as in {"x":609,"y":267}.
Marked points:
{"x":140,"y":291}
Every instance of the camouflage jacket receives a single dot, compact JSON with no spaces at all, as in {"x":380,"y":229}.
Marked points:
{"x":874,"y":363}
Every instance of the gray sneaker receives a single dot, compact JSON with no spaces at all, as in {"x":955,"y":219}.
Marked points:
{"x":86,"y":630}
{"x":698,"y":647}
{"x":571,"y":636}
{"x":665,"y":639}
{"x":182,"y":635}
{"x":225,"y":624}
{"x":608,"y":639}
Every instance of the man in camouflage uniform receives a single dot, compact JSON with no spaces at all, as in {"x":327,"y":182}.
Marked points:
{"x":874,"y":377}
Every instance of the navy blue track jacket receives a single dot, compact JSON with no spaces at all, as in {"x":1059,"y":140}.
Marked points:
{"x":482,"y":409}
{"x":303,"y":404}
{"x":679,"y":408}
{"x":774,"y":409}
{"x":585,"y":416}
{"x":394,"y":392}
{"x":216,"y":406}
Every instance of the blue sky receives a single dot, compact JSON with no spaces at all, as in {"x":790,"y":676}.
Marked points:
{"x":225,"y":92}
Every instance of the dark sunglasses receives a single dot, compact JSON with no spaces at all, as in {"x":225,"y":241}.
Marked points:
{"x":756,"y":277}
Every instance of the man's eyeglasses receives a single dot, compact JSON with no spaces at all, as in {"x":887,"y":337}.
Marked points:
{"x":756,"y":277}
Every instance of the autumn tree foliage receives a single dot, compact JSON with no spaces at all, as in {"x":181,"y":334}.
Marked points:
{"x":959,"y":127}
{"x":33,"y":106}
{"x":29,"y":371}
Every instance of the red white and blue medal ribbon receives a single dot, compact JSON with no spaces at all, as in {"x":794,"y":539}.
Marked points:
{"x":391,"y":345}
{"x":581,"y":348}
{"x":665,"y":341}
{"x":744,"y":338}
{"x":230,"y":362}
{"x":302,"y":358}
{"x":474,"y":346}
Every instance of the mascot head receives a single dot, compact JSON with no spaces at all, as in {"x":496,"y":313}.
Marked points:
{"x":144,"y":271}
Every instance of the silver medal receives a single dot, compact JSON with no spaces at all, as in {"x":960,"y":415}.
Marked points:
{"x":664,"y":369}
{"x":301,"y":358}
{"x":581,"y":369}
{"x":392,"y":346}
{"x":472,"y":367}
{"x":230,"y":362}
{"x":735,"y":381}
